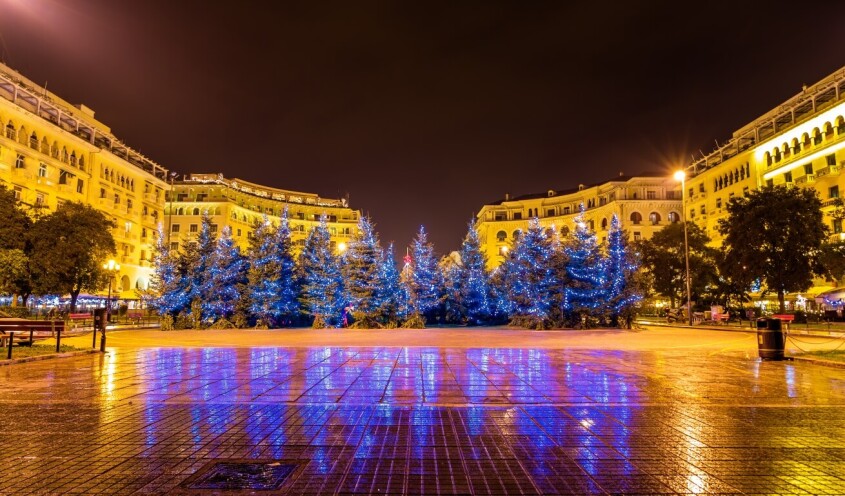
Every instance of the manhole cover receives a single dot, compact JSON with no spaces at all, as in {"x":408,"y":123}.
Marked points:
{"x":253,"y":475}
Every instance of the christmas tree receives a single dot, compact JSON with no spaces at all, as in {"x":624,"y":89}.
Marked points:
{"x":322,"y":282}
{"x":273,"y":282}
{"x":196,"y":267}
{"x":227,"y":272}
{"x":621,"y":291}
{"x":169,"y":295}
{"x":452,"y":308}
{"x":474,"y":281}
{"x":423,"y":279}
{"x":529,"y":278}
{"x":388,"y":300}
{"x":584,"y":293}
{"x":360,"y":271}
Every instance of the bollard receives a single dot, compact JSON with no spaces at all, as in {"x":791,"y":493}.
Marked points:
{"x":58,"y":338}
{"x":11,"y":341}
{"x":103,"y":342}
{"x":94,"y":338}
{"x":30,"y":337}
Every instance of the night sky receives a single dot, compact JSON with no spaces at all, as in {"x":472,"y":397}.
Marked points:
{"x":422,"y":111}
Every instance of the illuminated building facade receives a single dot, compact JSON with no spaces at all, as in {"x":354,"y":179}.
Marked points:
{"x":53,"y":152}
{"x":239,"y":205}
{"x":643,"y":205}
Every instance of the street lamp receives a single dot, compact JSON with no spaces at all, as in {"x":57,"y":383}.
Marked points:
{"x":112,"y":268}
{"x":681,"y":176}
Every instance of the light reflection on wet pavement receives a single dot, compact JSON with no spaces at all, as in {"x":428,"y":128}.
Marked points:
{"x":426,"y":420}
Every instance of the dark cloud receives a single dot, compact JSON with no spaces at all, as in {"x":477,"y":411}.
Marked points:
{"x":422,"y":111}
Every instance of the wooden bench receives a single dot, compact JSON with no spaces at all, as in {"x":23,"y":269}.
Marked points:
{"x":26,"y":331}
{"x":76,"y":319}
{"x":135,"y":316}
{"x":721,"y":318}
{"x":785,"y":318}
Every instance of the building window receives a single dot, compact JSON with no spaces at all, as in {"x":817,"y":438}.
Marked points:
{"x":674,"y":217}
{"x":63,"y":175}
{"x":496,"y":216}
{"x":690,"y":192}
{"x":718,"y":203}
{"x":501,"y":236}
{"x":214,"y":228}
{"x":701,"y":188}
{"x":128,"y":203}
{"x":18,"y":192}
{"x":143,"y":233}
{"x":174,"y":228}
{"x":116,"y":198}
{"x":833,"y":192}
{"x":837,"y":226}
{"x":654,"y":218}
{"x":637,"y":236}
{"x":194,"y":228}
{"x":692,"y":213}
{"x":831,"y":159}
{"x":650,"y":195}
{"x":787,"y":176}
{"x":636,"y":218}
{"x":770,"y":183}
{"x":518,"y":215}
{"x":39,"y":199}
{"x":239,"y":232}
{"x":174,"y":246}
{"x":745,"y":191}
{"x":566,"y":210}
{"x":42,"y":170}
{"x":550,"y":212}
{"x":19,"y":162}
{"x":808,"y":168}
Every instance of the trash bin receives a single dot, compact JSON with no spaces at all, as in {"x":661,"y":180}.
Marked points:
{"x":771,"y":340}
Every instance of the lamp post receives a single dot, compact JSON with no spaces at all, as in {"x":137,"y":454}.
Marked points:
{"x":112,"y":268}
{"x":681,"y":176}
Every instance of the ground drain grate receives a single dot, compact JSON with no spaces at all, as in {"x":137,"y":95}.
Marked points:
{"x":241,"y":475}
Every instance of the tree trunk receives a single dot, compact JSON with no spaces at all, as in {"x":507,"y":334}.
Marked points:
{"x":73,"y":296}
{"x":781,"y":301}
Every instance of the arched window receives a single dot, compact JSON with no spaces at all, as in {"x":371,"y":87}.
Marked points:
{"x":604,"y":224}
{"x":54,"y":150}
{"x":45,"y":146}
{"x":11,"y":132}
{"x":817,"y":136}
{"x":73,"y":158}
{"x":674,"y":217}
{"x":654,"y":218}
{"x":516,"y":234}
{"x":501,"y":236}
{"x":196,"y":211}
{"x":840,"y":125}
{"x":636,"y":218}
{"x":65,"y":156}
{"x":124,"y":283}
{"x":564,"y":231}
{"x":33,"y":141}
{"x":805,"y":140}
{"x":828,"y":130}
{"x":768,"y":158}
{"x":796,"y":146}
{"x":181,"y":211}
{"x":776,"y":155}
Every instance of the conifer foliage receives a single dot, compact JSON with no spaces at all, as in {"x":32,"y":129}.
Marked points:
{"x":361,"y":273}
{"x":322,"y":281}
{"x":474,"y":281}
{"x":422,"y":279}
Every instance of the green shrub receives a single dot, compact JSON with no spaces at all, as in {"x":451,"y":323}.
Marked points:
{"x":414,"y":322}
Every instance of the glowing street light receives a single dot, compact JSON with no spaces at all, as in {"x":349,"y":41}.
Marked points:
{"x":682,"y":176}
{"x":341,"y":247}
{"x":112,"y":268}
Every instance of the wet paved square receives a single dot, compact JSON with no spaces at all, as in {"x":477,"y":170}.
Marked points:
{"x":425,"y":420}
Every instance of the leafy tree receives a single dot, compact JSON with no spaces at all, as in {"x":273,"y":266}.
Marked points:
{"x":423,"y":278}
{"x":663,"y":257}
{"x":15,"y":224}
{"x":15,"y":248}
{"x":68,"y":250}
{"x":14,"y":268}
{"x":529,"y":278}
{"x":775,"y":234}
{"x":322,"y":282}
{"x":474,"y":281}
{"x":833,"y":259}
{"x":360,"y":271}
{"x":227,"y":272}
{"x":622,"y":263}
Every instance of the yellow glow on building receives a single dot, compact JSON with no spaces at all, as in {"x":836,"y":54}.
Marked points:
{"x":240,"y":204}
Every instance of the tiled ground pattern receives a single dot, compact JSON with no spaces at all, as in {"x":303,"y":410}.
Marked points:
{"x":426,"y":420}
